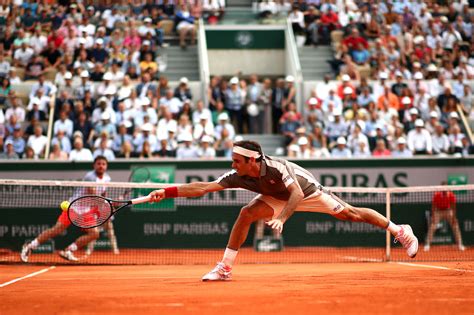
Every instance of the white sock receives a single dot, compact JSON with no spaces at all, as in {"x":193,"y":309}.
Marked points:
{"x":393,"y":228}
{"x":34,"y":244}
{"x":229,"y":257}
{"x":72,"y":247}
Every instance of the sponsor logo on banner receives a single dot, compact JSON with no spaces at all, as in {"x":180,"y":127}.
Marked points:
{"x":244,"y":39}
{"x":153,"y":174}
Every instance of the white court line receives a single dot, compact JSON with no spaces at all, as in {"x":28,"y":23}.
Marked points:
{"x":429,"y":266}
{"x":362,"y":259}
{"x":27,"y":276}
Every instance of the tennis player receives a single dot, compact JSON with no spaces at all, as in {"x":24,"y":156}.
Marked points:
{"x":283,"y":188}
{"x":98,"y":175}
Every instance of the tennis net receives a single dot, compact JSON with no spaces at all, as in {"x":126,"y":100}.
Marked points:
{"x":196,"y":230}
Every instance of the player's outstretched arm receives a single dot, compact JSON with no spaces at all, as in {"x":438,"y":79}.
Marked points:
{"x":195,"y":189}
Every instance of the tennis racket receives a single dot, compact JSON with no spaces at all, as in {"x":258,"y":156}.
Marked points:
{"x":90,"y":211}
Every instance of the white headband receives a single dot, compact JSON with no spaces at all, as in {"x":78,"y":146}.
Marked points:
{"x":246,"y":152}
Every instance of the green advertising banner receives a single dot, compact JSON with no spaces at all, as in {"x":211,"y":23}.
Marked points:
{"x":245,"y":39}
{"x":209,"y":227}
{"x":152,"y":174}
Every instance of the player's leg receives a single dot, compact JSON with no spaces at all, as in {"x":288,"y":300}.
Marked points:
{"x":90,"y":236}
{"x":254,"y":211}
{"x":435,"y":218}
{"x":57,"y":229}
{"x":402,"y":233}
{"x":109,"y":227}
{"x":326,"y":202}
{"x":453,"y":221}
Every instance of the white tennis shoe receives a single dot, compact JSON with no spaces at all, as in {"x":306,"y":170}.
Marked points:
{"x":221,"y":272}
{"x":408,"y":240}
{"x":68,"y":255}
{"x":25,"y":253}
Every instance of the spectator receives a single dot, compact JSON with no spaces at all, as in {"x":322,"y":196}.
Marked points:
{"x":206,"y":151}
{"x":126,"y":151}
{"x":63,"y":141}
{"x":121,"y":137}
{"x":234,"y":104}
{"x":34,"y":68}
{"x":289,"y":123}
{"x":355,"y":138}
{"x":52,"y":56}
{"x":104,"y":150}
{"x":381,"y":149}
{"x":278,"y":98}
{"x":149,"y":65}
{"x":9,"y":153}
{"x":184,"y":23}
{"x":223,"y":124}
{"x":455,"y":138}
{"x":64,"y":123}
{"x":337,"y":128}
{"x":340,"y":150}
{"x":84,"y":127}
{"x":296,"y":18}
{"x":440,"y":141}
{"x":79,"y":153}
{"x":362,"y":150}
{"x":329,"y":22}
{"x":105,"y":125}
{"x":17,"y":140}
{"x":401,"y":149}
{"x":38,"y":142}
{"x":182,"y":91}
{"x":419,"y":139}
{"x":264,"y":102}
{"x":22,"y":55}
{"x":186,"y":150}
{"x":57,"y":153}
{"x":360,"y":55}
{"x":147,"y":136}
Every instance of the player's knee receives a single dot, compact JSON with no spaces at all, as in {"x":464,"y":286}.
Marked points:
{"x":353,"y":214}
{"x":58,"y":228}
{"x":94,"y":233}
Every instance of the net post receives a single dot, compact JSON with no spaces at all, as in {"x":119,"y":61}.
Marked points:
{"x":387,"y":232}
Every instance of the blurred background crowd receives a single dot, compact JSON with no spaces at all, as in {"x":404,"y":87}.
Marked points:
{"x":401,"y":81}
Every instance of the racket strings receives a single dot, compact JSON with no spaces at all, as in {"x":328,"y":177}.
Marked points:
{"x":89,"y":211}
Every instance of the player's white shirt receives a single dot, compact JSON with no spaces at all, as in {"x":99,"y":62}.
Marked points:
{"x":99,"y":190}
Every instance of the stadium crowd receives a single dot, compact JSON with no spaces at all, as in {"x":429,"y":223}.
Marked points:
{"x":403,"y":69}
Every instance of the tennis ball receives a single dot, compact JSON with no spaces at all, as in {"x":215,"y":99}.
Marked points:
{"x":64,"y":205}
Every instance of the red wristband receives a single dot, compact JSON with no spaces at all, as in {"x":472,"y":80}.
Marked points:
{"x":171,"y":192}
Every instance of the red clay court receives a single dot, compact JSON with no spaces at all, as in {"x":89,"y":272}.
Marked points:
{"x":414,"y":287}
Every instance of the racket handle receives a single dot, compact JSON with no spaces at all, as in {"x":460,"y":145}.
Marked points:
{"x":140,"y":200}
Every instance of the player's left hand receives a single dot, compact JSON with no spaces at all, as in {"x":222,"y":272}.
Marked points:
{"x":276,"y":224}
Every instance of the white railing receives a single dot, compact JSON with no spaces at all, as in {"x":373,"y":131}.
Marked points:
{"x":204,"y":74}
{"x":293,"y":66}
